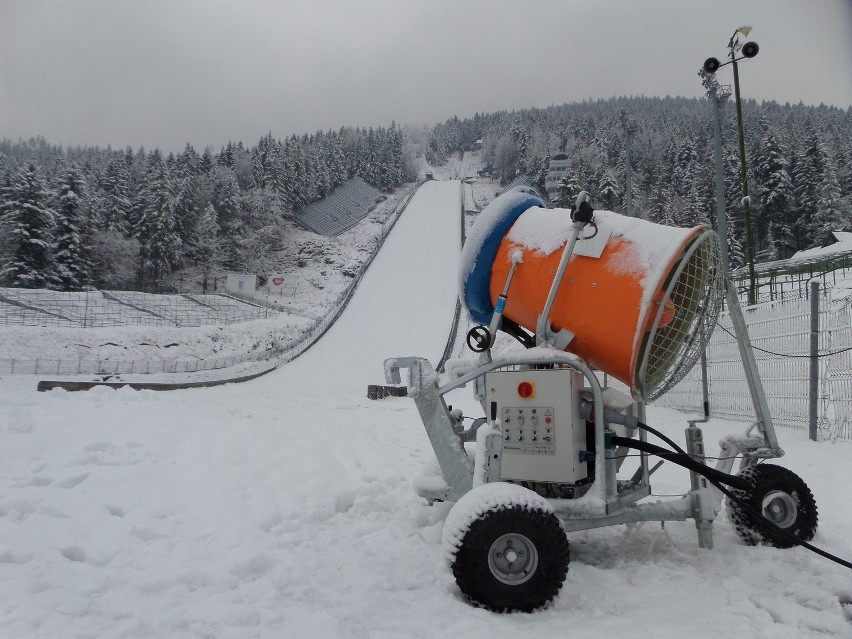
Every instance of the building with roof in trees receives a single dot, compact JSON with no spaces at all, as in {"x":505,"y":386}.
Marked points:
{"x":558,"y":168}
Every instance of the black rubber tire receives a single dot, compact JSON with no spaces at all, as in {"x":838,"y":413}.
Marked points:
{"x":783,"y":498}
{"x":480,"y":583}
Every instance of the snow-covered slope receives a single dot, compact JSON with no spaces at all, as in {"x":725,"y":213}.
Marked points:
{"x":403,"y":306}
{"x":283,"y":507}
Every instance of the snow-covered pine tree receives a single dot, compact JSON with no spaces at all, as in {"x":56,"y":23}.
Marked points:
{"x":185,"y":208}
{"x":773,"y":203}
{"x":608,"y":193}
{"x":829,"y":215}
{"x":162,"y":249}
{"x":540,"y":174}
{"x":808,"y":176}
{"x":693,"y":205}
{"x":569,"y":189}
{"x":300,"y":194}
{"x":260,"y":159}
{"x":71,"y":238}
{"x":188,"y":163}
{"x":206,"y":246}
{"x":322,"y":176}
{"x":28,"y":222}
{"x":337,"y":161}
{"x":114,"y":211}
{"x":226,"y":156}
{"x":733,"y":196}
{"x":736,"y":252}
{"x":397,"y":159}
{"x":225,"y":199}
{"x":521,"y":136}
{"x":369,"y":170}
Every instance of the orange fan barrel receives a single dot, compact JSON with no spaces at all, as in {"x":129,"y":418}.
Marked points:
{"x":633,"y":295}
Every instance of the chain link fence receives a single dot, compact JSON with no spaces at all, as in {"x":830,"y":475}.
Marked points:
{"x":780,"y":335}
{"x":100,"y":309}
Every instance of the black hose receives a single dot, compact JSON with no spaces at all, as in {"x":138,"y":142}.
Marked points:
{"x":663,"y":437}
{"x":780,"y":531}
{"x":682,"y":459}
{"x":717,"y":478}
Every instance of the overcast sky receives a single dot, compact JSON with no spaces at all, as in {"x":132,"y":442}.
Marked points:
{"x":166,"y":72}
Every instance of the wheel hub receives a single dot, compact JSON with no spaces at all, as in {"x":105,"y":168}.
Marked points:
{"x":512,"y":559}
{"x":780,"y":508}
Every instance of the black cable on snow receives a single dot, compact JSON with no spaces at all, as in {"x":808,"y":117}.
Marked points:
{"x":717,"y":478}
{"x":780,"y":531}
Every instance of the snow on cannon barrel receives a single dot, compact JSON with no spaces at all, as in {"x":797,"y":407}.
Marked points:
{"x":637,"y":300}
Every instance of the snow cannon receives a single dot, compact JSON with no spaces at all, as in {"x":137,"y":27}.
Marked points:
{"x":592,"y":291}
{"x":636,"y":300}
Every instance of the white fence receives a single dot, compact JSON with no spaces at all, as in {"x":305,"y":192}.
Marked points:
{"x":780,"y":335}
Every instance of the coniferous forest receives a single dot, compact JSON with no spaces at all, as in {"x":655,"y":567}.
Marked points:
{"x":77,"y":217}
{"x":799,"y":162}
{"x":73,"y":218}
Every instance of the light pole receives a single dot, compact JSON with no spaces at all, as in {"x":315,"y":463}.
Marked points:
{"x":711,"y":65}
{"x":718,"y":96}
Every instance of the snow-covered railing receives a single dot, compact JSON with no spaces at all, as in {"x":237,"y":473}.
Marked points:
{"x":780,"y":335}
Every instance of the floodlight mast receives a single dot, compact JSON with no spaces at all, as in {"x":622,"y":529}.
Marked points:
{"x":718,"y":95}
{"x":711,"y":65}
{"x":749,"y":50}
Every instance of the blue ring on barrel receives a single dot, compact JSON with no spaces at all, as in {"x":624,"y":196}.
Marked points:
{"x":481,"y":249}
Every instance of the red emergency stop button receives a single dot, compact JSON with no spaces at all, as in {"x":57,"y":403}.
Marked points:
{"x":526,"y":390}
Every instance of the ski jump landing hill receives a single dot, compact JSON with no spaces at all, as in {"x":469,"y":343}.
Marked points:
{"x":403,"y":306}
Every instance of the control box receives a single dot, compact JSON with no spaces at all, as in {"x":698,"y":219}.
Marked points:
{"x":542,"y":431}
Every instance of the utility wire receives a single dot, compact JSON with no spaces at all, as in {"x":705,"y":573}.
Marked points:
{"x":763,"y":350}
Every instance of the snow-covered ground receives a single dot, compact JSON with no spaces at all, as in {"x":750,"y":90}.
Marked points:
{"x":283,"y":507}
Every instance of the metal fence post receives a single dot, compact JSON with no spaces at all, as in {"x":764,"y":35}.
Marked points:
{"x":705,"y":384}
{"x":813,"y":393}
